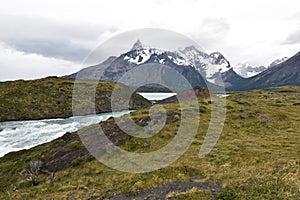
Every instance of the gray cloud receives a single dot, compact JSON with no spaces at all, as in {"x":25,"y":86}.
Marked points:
{"x":293,"y":38}
{"x":211,"y":32}
{"x":69,"y":40}
{"x":62,"y":49}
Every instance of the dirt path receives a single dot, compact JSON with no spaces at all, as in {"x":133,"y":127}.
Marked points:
{"x":160,"y":192}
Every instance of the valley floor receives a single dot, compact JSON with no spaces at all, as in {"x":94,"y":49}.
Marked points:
{"x":256,"y":157}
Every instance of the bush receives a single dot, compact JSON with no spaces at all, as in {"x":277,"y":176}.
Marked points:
{"x":33,"y":171}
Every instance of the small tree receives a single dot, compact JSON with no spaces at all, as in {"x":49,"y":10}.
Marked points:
{"x":33,"y":170}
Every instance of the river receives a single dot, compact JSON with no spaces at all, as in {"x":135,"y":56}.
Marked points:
{"x":18,"y":135}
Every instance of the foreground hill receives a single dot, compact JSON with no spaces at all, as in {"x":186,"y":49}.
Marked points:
{"x":256,"y":157}
{"x":52,"y":98}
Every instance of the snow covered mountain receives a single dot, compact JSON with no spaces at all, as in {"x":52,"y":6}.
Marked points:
{"x":247,"y":70}
{"x":210,"y":66}
{"x":282,"y":74}
{"x":140,"y":54}
{"x":196,"y":65}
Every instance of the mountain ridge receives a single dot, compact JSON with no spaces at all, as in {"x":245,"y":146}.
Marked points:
{"x":247,"y":70}
{"x":286,"y":73}
{"x":198,"y":67}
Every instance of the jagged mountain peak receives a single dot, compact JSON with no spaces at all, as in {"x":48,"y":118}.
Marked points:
{"x":137,"y":45}
{"x":188,"y":59}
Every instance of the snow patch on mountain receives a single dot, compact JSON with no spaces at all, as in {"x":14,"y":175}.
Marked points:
{"x":140,"y":57}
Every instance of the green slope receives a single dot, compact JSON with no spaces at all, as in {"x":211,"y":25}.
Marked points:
{"x":256,"y":157}
{"x":52,"y":98}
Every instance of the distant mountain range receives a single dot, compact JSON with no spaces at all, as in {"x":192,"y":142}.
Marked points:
{"x":198,"y":67}
{"x":282,"y":74}
{"x":247,"y":70}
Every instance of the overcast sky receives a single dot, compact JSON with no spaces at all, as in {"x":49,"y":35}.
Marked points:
{"x":39,"y":38}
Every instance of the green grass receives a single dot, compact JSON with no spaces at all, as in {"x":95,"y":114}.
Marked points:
{"x":256,"y":157}
{"x":52,"y":98}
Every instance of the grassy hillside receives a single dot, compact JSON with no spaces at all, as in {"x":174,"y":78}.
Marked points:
{"x":52,"y":98}
{"x":256,"y":157}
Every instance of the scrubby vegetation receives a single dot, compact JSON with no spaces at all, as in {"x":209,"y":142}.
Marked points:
{"x":52,"y":98}
{"x":256,"y":157}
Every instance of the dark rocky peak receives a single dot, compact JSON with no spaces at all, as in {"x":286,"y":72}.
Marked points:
{"x":137,"y":45}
